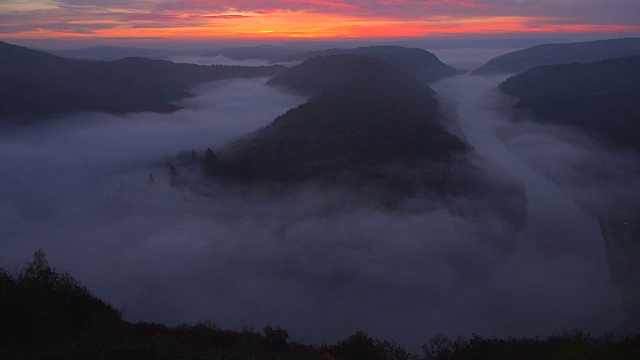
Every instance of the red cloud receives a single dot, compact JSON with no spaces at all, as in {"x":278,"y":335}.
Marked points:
{"x":377,"y":7}
{"x":312,"y":18}
{"x":171,"y":17}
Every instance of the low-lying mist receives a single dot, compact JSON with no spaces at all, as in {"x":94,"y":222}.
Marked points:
{"x":217,"y":60}
{"x":603,"y":181}
{"x":310,"y":260}
{"x":469,"y":58}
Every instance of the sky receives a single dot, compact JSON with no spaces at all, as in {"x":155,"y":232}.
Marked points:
{"x":199,"y":20}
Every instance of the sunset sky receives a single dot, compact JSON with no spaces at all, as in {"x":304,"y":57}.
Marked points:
{"x":196,"y":20}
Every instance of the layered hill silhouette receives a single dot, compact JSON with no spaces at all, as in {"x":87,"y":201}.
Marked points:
{"x":420,"y":63}
{"x":551,"y":54}
{"x":262,"y":52}
{"x":38,"y":84}
{"x":110,"y":53}
{"x":599,"y":98}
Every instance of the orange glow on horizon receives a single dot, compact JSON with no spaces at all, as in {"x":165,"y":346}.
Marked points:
{"x":287,"y":24}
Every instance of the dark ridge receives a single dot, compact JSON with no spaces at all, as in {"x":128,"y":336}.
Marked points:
{"x":599,"y":98}
{"x":420,"y":63}
{"x":36,"y":84}
{"x":41,"y":306}
{"x":47,"y":314}
{"x":550,"y":54}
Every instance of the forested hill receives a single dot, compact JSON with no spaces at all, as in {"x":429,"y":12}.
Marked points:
{"x":364,"y":113}
{"x":367,"y":127}
{"x":600,"y":98}
{"x":418,"y":62}
{"x":550,"y":54}
{"x":38,"y":84}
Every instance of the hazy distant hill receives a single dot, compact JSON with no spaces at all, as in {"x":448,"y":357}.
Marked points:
{"x":600,"y":98}
{"x":262,"y":52}
{"x":36,"y":84}
{"x":549,"y":54}
{"x":418,"y":62}
{"x":110,"y":53}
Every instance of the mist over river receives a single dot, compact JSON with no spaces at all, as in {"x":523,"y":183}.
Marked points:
{"x":309,"y":261}
{"x":561,"y":253}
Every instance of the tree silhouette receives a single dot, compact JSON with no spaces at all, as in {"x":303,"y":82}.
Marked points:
{"x":41,"y":305}
{"x":276,"y":338}
{"x":173,"y":175}
{"x":211,"y":164}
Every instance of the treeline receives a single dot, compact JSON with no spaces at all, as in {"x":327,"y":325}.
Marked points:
{"x":47,"y":314}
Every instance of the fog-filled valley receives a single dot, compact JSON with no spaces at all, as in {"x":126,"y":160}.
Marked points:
{"x":510,"y":247}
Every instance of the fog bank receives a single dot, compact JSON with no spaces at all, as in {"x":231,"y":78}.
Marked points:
{"x":217,"y":60}
{"x":313,"y":260}
{"x":469,"y":59}
{"x":561,"y":247}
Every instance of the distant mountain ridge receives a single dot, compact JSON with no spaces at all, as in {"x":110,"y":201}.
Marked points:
{"x":38,"y":84}
{"x":262,"y":52}
{"x":418,"y":62}
{"x":600,"y":98}
{"x":110,"y":53}
{"x":565,"y":53}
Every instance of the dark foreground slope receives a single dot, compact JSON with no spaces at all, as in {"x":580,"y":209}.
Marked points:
{"x":47,"y":314}
{"x":420,"y":63}
{"x":369,"y":127}
{"x":599,"y":98}
{"x":550,"y":54}
{"x":38,"y":84}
